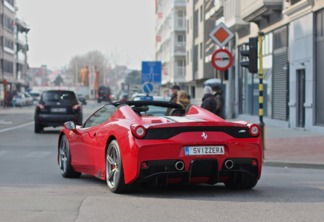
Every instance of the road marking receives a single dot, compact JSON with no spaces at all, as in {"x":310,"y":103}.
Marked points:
{"x":16,"y":127}
{"x":5,"y":122}
{"x":38,"y":154}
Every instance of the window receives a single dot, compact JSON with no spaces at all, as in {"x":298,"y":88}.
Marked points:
{"x":8,"y":43}
{"x":101,"y":116}
{"x":201,"y":13}
{"x":201,"y":50}
{"x":8,"y":23}
{"x":7,"y":66}
{"x":181,"y":38}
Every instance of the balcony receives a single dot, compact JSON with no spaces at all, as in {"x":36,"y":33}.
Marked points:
{"x":180,"y":48}
{"x":257,"y":10}
{"x":232,"y":14}
{"x":214,"y":9}
{"x":298,"y":7}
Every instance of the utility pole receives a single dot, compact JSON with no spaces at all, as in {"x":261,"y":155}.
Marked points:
{"x":262,"y":125}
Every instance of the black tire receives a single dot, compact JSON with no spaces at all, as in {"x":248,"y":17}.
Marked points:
{"x":38,"y":128}
{"x":114,"y":170}
{"x":64,"y":155}
{"x":241,"y":182}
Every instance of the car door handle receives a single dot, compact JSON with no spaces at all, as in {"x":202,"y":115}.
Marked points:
{"x":95,"y":134}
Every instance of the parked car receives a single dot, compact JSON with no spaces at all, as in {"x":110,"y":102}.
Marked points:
{"x":123,"y":144}
{"x":56,"y":107}
{"x":29,"y":98}
{"x":36,"y":96}
{"x":104,"y":94}
{"x":19,"y":100}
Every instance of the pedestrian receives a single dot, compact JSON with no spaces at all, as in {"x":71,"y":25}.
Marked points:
{"x":174,"y":97}
{"x":183,"y":99}
{"x":208,"y":100}
{"x":174,"y":91}
{"x":218,"y":95}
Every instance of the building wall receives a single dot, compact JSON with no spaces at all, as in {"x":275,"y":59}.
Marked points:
{"x":301,"y":52}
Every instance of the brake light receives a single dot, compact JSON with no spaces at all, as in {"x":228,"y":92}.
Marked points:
{"x":76,"y":107}
{"x":254,"y":130}
{"x":138,"y":131}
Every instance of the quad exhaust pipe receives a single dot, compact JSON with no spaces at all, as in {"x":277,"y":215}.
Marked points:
{"x":179,"y":165}
{"x":229,"y":164}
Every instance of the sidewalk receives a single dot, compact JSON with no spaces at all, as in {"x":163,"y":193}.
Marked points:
{"x":286,"y":146}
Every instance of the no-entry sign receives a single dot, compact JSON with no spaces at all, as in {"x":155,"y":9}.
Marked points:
{"x":222,"y":59}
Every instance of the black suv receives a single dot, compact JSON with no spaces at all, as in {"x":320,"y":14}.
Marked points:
{"x":55,"y":108}
{"x":104,"y":94}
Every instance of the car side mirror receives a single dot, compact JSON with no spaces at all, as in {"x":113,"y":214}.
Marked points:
{"x":70,"y":125}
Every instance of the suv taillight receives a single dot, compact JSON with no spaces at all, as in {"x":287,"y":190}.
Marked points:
{"x":76,"y":107}
{"x":40,"y":107}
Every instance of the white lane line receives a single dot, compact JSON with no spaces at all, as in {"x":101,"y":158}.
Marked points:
{"x":39,"y":154}
{"x":16,"y":127}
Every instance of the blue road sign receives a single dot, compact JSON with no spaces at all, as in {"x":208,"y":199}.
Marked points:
{"x":148,"y":87}
{"x":151,"y":72}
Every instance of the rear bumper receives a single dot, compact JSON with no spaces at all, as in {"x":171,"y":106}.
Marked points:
{"x":57,"y":119}
{"x":198,"y":171}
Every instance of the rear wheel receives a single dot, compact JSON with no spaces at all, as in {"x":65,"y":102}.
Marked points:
{"x":66,"y":168}
{"x":114,"y":169}
{"x":38,"y":128}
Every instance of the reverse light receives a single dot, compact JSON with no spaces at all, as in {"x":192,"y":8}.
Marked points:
{"x":254,"y":130}
{"x":254,"y":163}
{"x":144,"y":165}
{"x":138,"y":131}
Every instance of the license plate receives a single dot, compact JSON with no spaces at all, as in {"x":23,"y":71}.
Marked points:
{"x":204,"y":150}
{"x":58,"y":110}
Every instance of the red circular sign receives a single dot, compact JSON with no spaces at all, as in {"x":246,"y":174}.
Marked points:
{"x":222,"y":59}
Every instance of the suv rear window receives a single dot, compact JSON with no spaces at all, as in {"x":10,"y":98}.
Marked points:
{"x":59,"y":96}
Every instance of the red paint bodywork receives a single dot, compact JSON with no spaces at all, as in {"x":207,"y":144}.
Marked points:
{"x":88,"y":145}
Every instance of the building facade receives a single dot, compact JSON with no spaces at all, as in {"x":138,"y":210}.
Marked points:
{"x":170,"y":41}
{"x":13,"y":51}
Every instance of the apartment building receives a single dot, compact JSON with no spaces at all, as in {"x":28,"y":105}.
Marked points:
{"x":170,"y":41}
{"x":13,"y":51}
{"x":199,"y":46}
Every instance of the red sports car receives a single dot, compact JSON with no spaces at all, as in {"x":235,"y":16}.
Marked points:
{"x":136,"y":142}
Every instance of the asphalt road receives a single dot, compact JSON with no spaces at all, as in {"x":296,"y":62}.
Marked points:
{"x":32,"y":189}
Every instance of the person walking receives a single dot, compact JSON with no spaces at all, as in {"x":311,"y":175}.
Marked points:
{"x":219,"y":98}
{"x":208,"y":100}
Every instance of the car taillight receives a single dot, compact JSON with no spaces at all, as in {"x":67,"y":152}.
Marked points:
{"x":254,"y":130}
{"x":76,"y":107}
{"x":40,"y":107}
{"x":138,"y":131}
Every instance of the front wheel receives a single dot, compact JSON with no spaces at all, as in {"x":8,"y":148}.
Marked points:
{"x":66,"y":168}
{"x":114,"y":169}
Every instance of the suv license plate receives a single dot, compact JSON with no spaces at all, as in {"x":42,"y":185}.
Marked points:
{"x":58,"y":110}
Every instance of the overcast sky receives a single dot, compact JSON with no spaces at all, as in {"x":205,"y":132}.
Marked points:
{"x":61,"y":29}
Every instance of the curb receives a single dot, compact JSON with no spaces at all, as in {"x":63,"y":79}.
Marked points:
{"x":304,"y":165}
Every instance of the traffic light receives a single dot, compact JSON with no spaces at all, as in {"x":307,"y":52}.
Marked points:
{"x":252,"y":53}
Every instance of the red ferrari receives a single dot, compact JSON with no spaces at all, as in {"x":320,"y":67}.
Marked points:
{"x":136,"y":142}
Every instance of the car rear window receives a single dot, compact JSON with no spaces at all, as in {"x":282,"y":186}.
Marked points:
{"x":59,"y":96}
